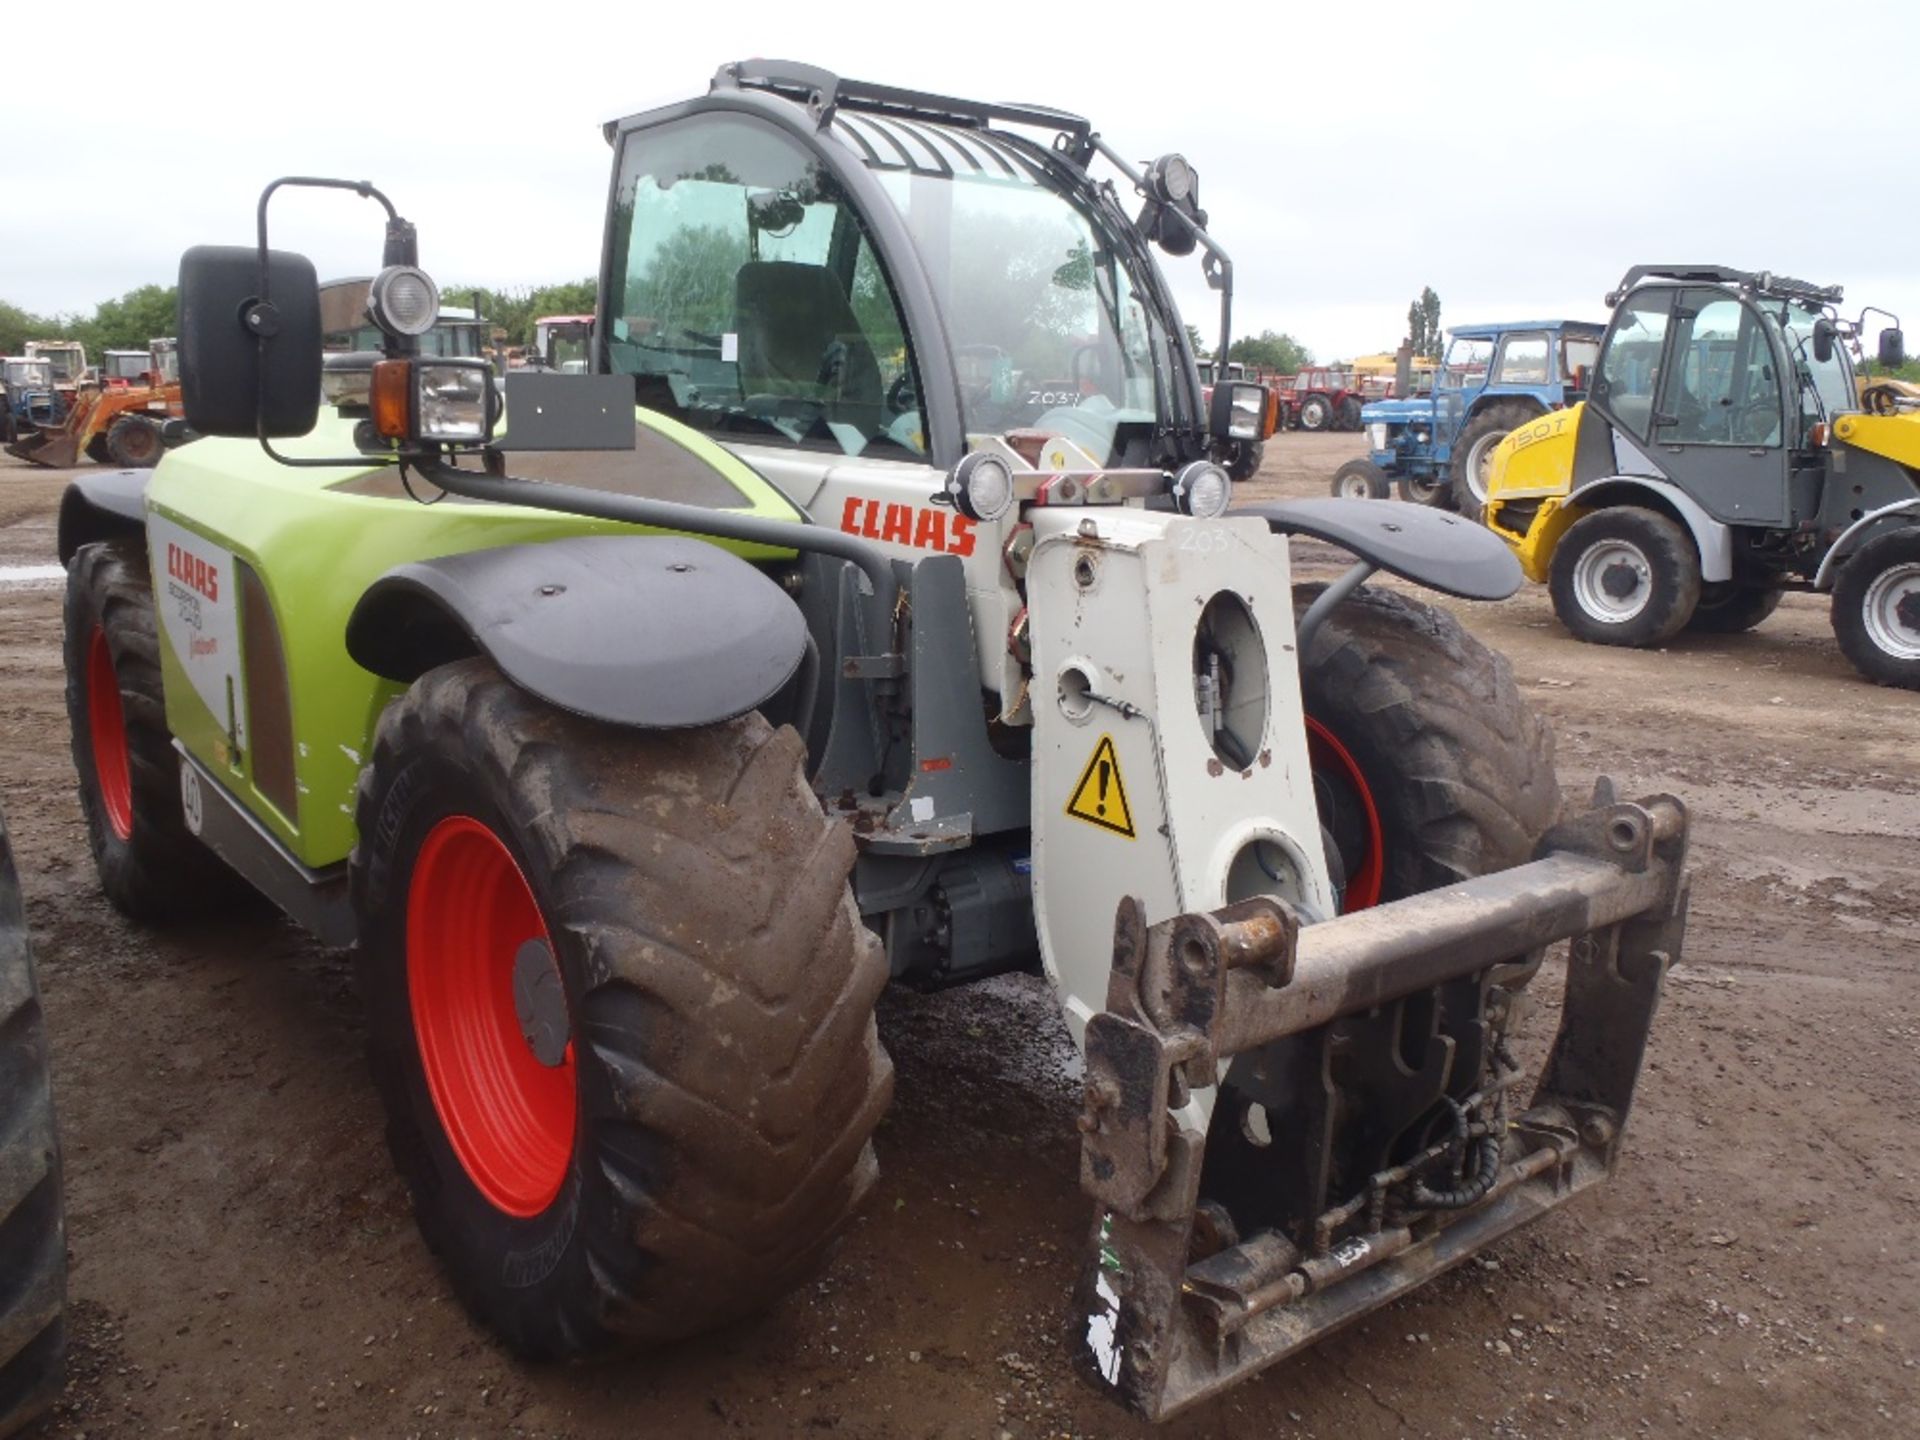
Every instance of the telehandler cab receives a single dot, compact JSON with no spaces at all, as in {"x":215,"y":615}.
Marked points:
{"x":871,"y":609}
{"x":1721,"y":460}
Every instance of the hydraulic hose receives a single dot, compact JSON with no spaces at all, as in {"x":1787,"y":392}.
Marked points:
{"x":1474,"y":1178}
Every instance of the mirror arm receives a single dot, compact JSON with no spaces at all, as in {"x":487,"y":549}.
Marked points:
{"x":1218,"y":266}
{"x":262,"y":320}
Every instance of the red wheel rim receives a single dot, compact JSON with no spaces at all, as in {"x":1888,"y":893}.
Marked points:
{"x":1325,"y":752}
{"x":509,"y":1118}
{"x":107,"y":729}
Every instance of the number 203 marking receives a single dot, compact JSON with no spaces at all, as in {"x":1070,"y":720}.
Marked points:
{"x":1204,"y":539}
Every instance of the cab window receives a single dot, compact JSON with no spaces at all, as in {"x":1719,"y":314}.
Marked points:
{"x":1523,"y":360}
{"x":1578,"y":353}
{"x":1630,"y":366}
{"x":1466,"y":364}
{"x":1722,"y":387}
{"x":747,"y":299}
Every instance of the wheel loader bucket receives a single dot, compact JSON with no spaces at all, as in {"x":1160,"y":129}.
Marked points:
{"x":1368,"y":1132}
{"x":58,"y":447}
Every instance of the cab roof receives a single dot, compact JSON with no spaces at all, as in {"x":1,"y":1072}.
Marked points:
{"x":828,"y":98}
{"x":1494,"y":332}
{"x":1762,"y":282}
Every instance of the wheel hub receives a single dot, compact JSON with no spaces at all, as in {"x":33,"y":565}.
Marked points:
{"x":107,"y":730}
{"x":1613,"y":581}
{"x":540,"y":1001}
{"x":1480,"y":465}
{"x":490,"y":1017}
{"x":1907,"y":609}
{"x":1620,"y":580}
{"x":1892,"y":611}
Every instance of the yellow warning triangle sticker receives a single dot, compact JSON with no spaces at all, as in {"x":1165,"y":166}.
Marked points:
{"x":1101,"y":796}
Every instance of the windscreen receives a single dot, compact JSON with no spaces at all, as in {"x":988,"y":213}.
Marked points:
{"x":1049,"y":327}
{"x":65,"y":364}
{"x":1826,"y":386}
{"x":446,"y":340}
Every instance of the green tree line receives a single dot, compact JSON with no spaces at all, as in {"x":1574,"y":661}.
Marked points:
{"x":127,"y":323}
{"x":147,"y":313}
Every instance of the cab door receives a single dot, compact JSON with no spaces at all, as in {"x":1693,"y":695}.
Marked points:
{"x":1718,"y":424}
{"x":1462,"y":376}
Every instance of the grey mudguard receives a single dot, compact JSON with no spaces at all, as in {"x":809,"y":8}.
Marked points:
{"x":659,"y":632}
{"x":99,"y":507}
{"x":1442,"y":551}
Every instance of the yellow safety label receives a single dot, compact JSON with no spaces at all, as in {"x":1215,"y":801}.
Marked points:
{"x":1101,"y":796}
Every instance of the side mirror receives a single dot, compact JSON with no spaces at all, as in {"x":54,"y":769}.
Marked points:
{"x":1823,"y":340}
{"x":1893,"y":349}
{"x":1241,"y":411}
{"x":232,"y":382}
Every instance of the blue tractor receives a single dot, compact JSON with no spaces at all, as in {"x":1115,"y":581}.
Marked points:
{"x":28,"y":399}
{"x":1495,"y":378}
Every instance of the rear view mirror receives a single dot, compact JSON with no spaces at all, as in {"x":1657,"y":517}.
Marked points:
{"x":249,"y":365}
{"x":1822,"y":341}
{"x":1893,"y":349}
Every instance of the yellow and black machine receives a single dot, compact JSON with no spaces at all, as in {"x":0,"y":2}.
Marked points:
{"x":1721,"y":459}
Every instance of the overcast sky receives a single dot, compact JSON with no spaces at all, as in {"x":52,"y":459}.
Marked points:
{"x":1517,"y":158}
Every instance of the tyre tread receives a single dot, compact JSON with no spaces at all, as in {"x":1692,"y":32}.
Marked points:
{"x":698,"y":875}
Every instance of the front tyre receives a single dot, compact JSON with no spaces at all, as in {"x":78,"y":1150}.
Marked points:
{"x":620,"y":1007}
{"x":1362,"y":480}
{"x":1876,"y":610}
{"x":1429,"y":766}
{"x":134,"y":443}
{"x":1625,"y":576}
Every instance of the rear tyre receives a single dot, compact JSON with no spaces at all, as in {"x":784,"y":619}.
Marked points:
{"x":1727,"y":608}
{"x":1625,"y":576}
{"x":1362,"y":480}
{"x":133,"y":442}
{"x":1473,"y":452}
{"x":33,"y":1244}
{"x":621,"y":1010}
{"x":151,"y":866}
{"x":1348,"y":415}
{"x":1428,"y":764}
{"x":1876,"y":610}
{"x":1433,"y":491}
{"x":1316,"y":413}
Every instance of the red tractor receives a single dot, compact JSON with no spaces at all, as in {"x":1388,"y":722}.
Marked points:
{"x":1323,"y":399}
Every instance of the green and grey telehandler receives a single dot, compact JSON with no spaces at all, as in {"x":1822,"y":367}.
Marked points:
{"x":872,"y":610}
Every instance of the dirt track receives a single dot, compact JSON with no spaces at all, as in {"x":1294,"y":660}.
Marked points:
{"x":244,"y":1260}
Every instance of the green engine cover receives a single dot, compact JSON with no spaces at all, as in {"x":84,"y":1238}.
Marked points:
{"x":257,"y":566}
